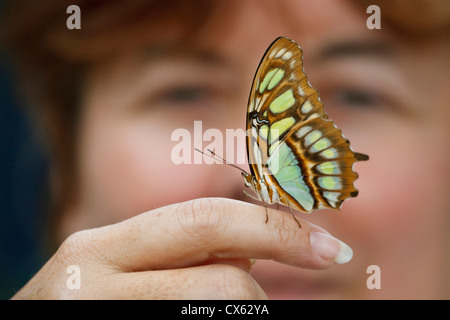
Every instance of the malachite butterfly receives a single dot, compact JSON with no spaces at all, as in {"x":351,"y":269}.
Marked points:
{"x":297,"y":156}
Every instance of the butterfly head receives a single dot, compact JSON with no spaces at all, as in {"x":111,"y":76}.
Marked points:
{"x":248,"y":179}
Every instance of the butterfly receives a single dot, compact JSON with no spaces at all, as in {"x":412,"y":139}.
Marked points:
{"x":297,"y":156}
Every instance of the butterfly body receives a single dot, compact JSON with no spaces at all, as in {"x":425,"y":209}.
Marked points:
{"x":264,"y":192}
{"x":297,"y":156}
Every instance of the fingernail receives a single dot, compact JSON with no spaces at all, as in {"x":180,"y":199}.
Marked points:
{"x":330,"y":248}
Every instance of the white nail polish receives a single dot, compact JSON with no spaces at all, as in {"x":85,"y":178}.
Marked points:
{"x":330,"y":248}
{"x":345,"y":254}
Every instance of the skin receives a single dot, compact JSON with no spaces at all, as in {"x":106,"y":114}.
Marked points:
{"x":190,"y":250}
{"x":390,"y":100}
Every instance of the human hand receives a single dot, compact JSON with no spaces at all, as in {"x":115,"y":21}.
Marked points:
{"x":200,"y":249}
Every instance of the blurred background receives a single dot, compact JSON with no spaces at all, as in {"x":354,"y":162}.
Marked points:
{"x":22,"y":185}
{"x":24,"y":167}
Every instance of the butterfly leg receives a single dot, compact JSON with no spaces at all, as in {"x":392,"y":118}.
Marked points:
{"x":267,"y":213}
{"x":258,"y":199}
{"x":254,"y":197}
{"x":290,"y":210}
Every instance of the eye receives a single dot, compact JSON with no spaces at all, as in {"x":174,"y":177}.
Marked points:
{"x":356,"y":98}
{"x":185,"y":95}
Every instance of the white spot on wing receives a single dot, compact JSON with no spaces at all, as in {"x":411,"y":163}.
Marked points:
{"x":300,"y":90}
{"x":330,"y":153}
{"x":280,"y":53}
{"x":320,"y":145}
{"x":302,"y":131}
{"x":312,"y":137}
{"x":287,"y":55}
{"x":307,"y":107}
{"x":314,"y":115}
{"x":333,"y":196}
{"x":257,"y":105}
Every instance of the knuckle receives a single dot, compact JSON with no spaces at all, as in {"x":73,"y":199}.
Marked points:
{"x":201,"y":217}
{"x":286,"y":230}
{"x":72,"y":245}
{"x":78,"y":246}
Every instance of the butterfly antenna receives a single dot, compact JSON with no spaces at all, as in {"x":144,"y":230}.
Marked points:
{"x":216,"y":157}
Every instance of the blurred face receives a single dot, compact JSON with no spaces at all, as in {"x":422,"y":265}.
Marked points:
{"x":388,"y":96}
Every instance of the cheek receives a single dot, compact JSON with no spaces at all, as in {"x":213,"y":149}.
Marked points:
{"x":402,"y":187}
{"x":128,"y":173}
{"x":129,"y":170}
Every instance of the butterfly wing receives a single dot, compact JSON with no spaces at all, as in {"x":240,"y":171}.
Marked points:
{"x":292,"y":146}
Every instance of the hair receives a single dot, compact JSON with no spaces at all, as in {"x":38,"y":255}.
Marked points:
{"x":51,"y":61}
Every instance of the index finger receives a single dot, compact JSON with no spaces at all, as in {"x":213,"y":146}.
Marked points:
{"x":192,"y":232}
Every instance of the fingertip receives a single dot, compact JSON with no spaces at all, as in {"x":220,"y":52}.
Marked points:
{"x":329,"y":248}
